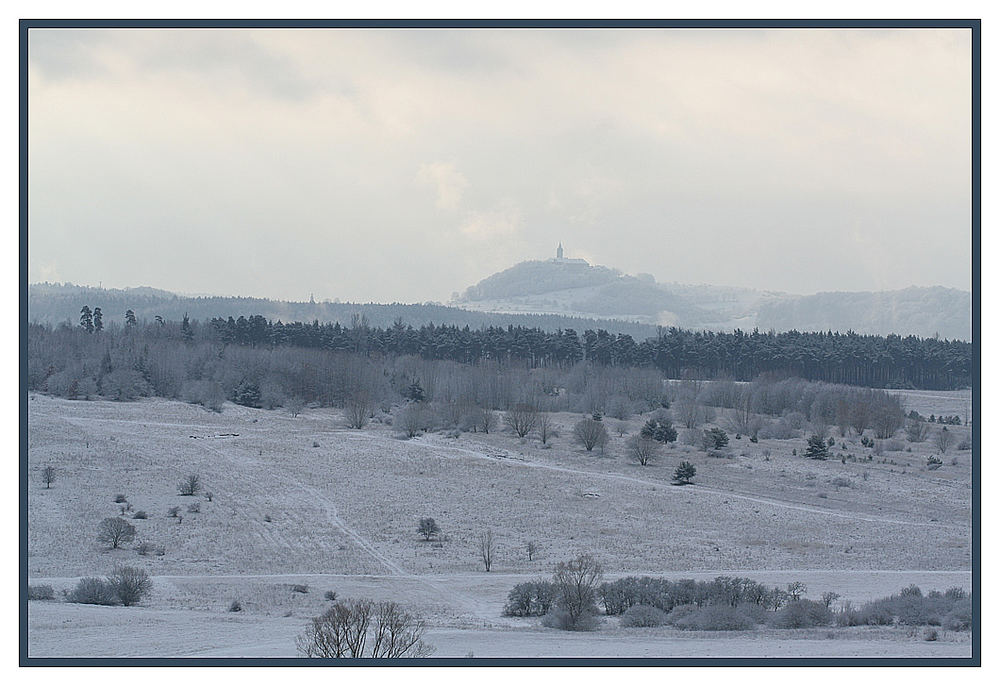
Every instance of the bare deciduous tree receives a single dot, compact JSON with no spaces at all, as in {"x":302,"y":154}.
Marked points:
{"x":544,"y":427}
{"x":114,"y":531}
{"x":591,"y":433}
{"x":532,"y":550}
{"x":486,"y":548}
{"x":521,"y":419}
{"x":943,"y":439}
{"x":428,"y":528}
{"x":576,"y":584}
{"x":486,"y":420}
{"x":130,"y":584}
{"x":362,"y":628}
{"x":49,"y":476}
{"x":358,"y":408}
{"x":643,"y":450}
{"x":190,"y":486}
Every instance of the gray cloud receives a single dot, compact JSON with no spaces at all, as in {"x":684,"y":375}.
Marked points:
{"x":404,"y":165}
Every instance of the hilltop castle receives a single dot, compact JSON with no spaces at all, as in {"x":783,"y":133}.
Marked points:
{"x":563,"y":260}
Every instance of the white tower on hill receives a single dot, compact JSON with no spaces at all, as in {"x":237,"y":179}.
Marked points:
{"x":564,"y":260}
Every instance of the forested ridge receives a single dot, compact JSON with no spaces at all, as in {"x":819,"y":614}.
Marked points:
{"x":844,"y":358}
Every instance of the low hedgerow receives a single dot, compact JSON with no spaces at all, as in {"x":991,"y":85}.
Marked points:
{"x":664,"y":594}
{"x":560,"y":619}
{"x":912,"y":608}
{"x":93,"y":591}
{"x":799,"y":614}
{"x":713,"y":618}
{"x":644,"y":616}
{"x":43,"y":592}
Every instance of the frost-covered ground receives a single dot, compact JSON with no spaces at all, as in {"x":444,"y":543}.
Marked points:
{"x":342,"y":516}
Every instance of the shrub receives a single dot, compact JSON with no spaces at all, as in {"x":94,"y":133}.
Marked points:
{"x":129,"y":584}
{"x":93,"y":591}
{"x":43,"y":592}
{"x":561,"y":619}
{"x":713,"y":618}
{"x":330,"y":595}
{"x":300,"y":588}
{"x":930,"y":635}
{"x":934,"y":463}
{"x":643,"y":616}
{"x":120,"y":498}
{"x":644,"y":450}
{"x":194,"y":508}
{"x":140,"y":514}
{"x":799,"y":614}
{"x":530,"y":599}
{"x":144,"y":548}
{"x":173,"y":511}
{"x":591,"y":433}
{"x":960,"y":616}
{"x":235,"y":606}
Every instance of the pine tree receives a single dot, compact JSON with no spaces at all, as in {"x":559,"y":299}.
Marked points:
{"x":817,"y":449}
{"x":86,"y":319}
{"x":186,"y":331}
{"x":684,"y":473}
{"x":98,"y":319}
{"x":129,"y":319}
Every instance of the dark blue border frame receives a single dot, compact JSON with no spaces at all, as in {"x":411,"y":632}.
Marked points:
{"x":973,"y":25}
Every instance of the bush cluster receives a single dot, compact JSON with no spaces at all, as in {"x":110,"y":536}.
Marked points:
{"x":530,"y":599}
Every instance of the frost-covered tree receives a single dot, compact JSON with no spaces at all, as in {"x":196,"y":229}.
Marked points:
{"x":114,"y":531}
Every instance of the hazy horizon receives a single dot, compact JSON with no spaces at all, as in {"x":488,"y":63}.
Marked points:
{"x":405,"y":165}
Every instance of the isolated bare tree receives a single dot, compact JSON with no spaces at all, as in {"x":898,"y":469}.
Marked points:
{"x":532,"y":550}
{"x":190,"y":486}
{"x":358,"y":408}
{"x":591,"y":433}
{"x":486,"y":420}
{"x":943,"y":439}
{"x":643,"y":450}
{"x":521,"y":419}
{"x":362,"y":628}
{"x":486,"y":548}
{"x":428,"y":528}
{"x":544,"y":427}
{"x":49,"y":476}
{"x":114,"y":531}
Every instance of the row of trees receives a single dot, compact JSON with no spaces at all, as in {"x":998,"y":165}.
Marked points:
{"x":849,"y":358}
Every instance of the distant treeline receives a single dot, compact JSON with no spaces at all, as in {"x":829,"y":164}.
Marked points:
{"x":56,"y":303}
{"x":860,"y":360}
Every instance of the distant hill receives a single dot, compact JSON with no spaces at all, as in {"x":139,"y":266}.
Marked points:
{"x":55,"y":303}
{"x":576,"y":288}
{"x":925,"y":312}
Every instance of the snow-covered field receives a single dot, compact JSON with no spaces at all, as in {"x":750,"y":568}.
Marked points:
{"x":302,"y":500}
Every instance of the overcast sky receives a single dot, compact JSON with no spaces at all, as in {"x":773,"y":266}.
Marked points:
{"x":405,"y":165}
